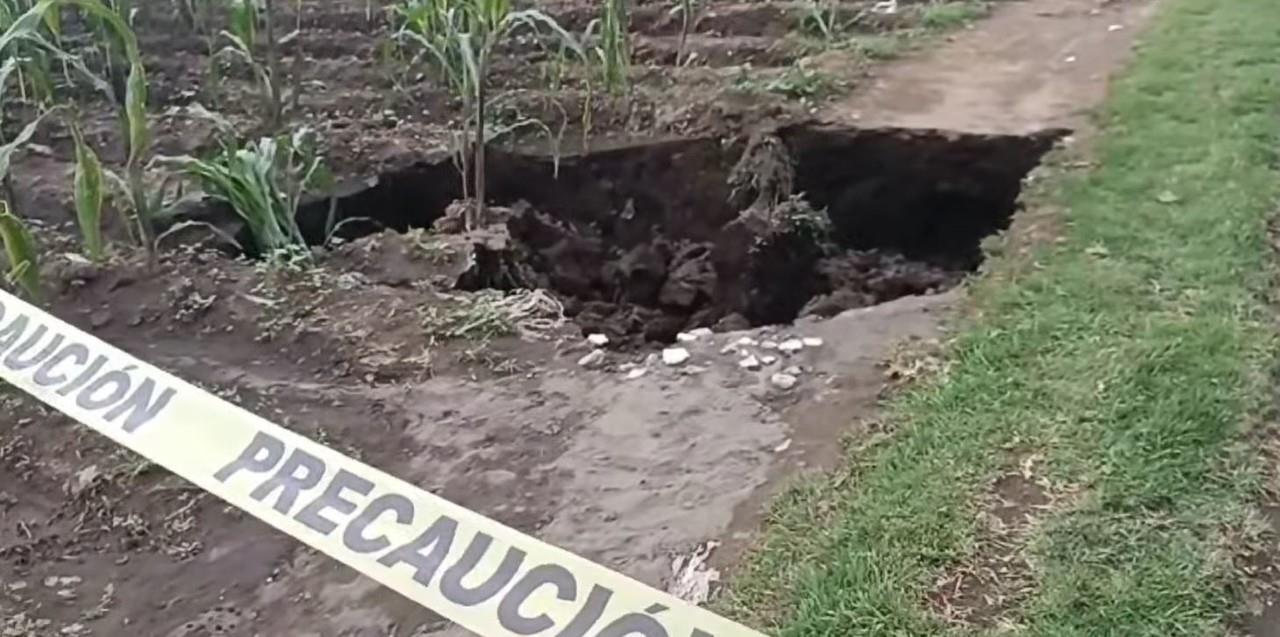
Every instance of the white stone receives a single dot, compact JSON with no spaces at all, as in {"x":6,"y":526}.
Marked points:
{"x":594,"y":359}
{"x":769,"y":344}
{"x":784,"y":381}
{"x":768,"y":359}
{"x":599,"y":340}
{"x":750,"y":362}
{"x":729,"y":349}
{"x":793,"y":370}
{"x":686,"y":337}
{"x":811,"y":341}
{"x":701,"y":332}
{"x":791,"y":345}
{"x":636,"y":373}
{"x":747,"y":341}
{"x":675,"y":355}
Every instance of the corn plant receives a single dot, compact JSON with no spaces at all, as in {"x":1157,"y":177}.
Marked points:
{"x":263,"y":182}
{"x":88,"y":195}
{"x":459,"y":39}
{"x":823,"y":19}
{"x":243,"y":37}
{"x":20,"y":249}
{"x":610,"y":40}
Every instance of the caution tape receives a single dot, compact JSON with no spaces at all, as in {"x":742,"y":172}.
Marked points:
{"x":487,"y":577}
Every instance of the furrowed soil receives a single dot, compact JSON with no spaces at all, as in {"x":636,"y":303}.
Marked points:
{"x":400,"y":347}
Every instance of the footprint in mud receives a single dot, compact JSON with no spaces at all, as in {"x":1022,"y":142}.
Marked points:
{"x":219,"y":620}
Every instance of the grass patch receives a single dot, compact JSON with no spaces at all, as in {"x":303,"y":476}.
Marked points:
{"x":951,"y":15}
{"x":1131,"y":353}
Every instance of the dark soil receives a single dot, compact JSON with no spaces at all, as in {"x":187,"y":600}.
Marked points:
{"x":647,"y":240}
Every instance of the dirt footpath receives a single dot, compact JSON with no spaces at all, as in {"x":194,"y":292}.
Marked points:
{"x":624,"y":468}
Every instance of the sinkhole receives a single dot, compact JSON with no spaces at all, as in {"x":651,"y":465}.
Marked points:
{"x":641,"y":241}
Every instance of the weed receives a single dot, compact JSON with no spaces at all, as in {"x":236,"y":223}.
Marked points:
{"x":610,"y":38}
{"x":243,"y":38}
{"x":949,"y":15}
{"x":799,"y":82}
{"x":478,"y":317}
{"x":688,"y":11}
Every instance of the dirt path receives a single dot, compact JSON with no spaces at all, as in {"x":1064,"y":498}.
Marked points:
{"x":1033,"y":65}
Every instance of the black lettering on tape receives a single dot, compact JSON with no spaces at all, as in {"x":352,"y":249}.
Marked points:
{"x":438,"y":537}
{"x":259,"y":456}
{"x":13,"y":331}
{"x":88,"y":373}
{"x":15,"y":360}
{"x":117,"y":383}
{"x":451,"y":582}
{"x":509,"y":614}
{"x":354,"y":536}
{"x":142,"y":405}
{"x":312,"y":515}
{"x":44,"y":375}
{"x":591,"y":611}
{"x":288,"y":480}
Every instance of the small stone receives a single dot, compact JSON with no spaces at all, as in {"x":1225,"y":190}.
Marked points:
{"x":768,"y":359}
{"x":747,"y":341}
{"x":675,"y":355}
{"x":636,"y":373}
{"x":729,"y":349}
{"x":791,"y":345}
{"x":769,"y":344}
{"x":786,"y":444}
{"x":811,"y":341}
{"x":750,"y":362}
{"x":593,"y":359}
{"x":793,"y":370}
{"x":701,"y":332}
{"x":784,"y":381}
{"x":598,"y":340}
{"x":686,"y":337}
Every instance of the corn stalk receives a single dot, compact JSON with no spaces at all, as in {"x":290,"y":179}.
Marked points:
{"x":459,"y":39}
{"x":611,"y":44}
{"x":243,"y":38}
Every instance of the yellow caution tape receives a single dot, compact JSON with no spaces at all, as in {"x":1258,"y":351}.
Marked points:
{"x":489,"y":578}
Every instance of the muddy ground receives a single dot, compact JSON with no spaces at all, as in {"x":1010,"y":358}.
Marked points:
{"x":378,"y":349}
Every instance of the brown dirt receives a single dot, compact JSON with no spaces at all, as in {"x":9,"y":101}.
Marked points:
{"x":355,"y":351}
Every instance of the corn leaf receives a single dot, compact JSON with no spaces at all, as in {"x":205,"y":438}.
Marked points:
{"x":20,"y":248}
{"x":24,"y":136}
{"x":88,"y":196}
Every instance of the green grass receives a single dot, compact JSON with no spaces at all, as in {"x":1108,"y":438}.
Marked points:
{"x":949,"y":15}
{"x":1132,"y":354}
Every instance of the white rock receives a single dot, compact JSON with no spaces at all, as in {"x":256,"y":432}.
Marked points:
{"x":675,"y":355}
{"x":636,"y":373}
{"x":750,"y":362}
{"x":811,"y":341}
{"x":593,"y":359}
{"x":599,"y":340}
{"x":786,"y":444}
{"x":793,"y":370}
{"x":769,"y":344}
{"x":768,"y":359}
{"x":701,"y":332}
{"x":791,"y":345}
{"x":729,"y":349}
{"x":747,"y":341}
{"x":784,"y":381}
{"x":686,"y":337}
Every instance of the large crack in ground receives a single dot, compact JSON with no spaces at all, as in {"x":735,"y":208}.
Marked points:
{"x":644,"y":241}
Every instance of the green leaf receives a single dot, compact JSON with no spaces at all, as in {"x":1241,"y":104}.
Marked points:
{"x":24,"y":136}
{"x":19,"y":247}
{"x":88,"y":196}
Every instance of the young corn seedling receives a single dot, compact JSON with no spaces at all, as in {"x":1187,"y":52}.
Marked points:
{"x":88,"y":195}
{"x":459,"y":39}
{"x":610,"y":40}
{"x":263,"y":182}
{"x":20,"y":249}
